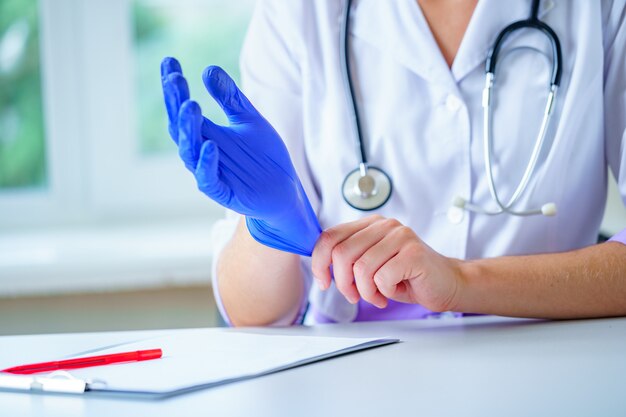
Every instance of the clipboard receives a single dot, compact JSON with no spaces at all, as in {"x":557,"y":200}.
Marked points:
{"x":195,"y":360}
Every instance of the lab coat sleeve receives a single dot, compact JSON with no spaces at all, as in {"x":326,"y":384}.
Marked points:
{"x":221,"y":233}
{"x":620,"y":237}
{"x":615,"y":92}
{"x":271,"y":79}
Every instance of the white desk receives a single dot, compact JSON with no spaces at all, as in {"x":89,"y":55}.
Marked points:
{"x":477,"y":366}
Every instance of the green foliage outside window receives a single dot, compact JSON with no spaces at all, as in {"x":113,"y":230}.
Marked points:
{"x":22,"y":146}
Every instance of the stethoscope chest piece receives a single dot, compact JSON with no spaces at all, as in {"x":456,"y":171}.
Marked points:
{"x":366,"y":191}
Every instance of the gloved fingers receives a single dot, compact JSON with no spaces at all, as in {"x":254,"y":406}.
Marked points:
{"x":170,"y":65}
{"x":189,"y":137}
{"x":224,"y":90}
{"x":212,"y":131}
{"x":208,"y":175}
{"x":175,"y":92}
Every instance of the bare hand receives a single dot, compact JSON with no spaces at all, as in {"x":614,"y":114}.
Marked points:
{"x":379,"y":259}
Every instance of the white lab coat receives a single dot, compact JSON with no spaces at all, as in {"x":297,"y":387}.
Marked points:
{"x":422,"y":121}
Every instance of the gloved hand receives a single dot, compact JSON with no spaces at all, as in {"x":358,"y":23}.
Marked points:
{"x":245,"y":166}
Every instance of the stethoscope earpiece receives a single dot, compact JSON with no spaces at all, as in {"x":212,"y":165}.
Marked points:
{"x":548,"y":209}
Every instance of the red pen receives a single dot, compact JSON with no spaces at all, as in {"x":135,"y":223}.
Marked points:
{"x":139,"y":355}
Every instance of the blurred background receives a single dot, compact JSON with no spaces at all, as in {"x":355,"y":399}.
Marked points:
{"x":101,"y":228}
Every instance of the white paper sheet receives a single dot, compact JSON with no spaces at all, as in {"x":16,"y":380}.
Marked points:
{"x":208,"y":357}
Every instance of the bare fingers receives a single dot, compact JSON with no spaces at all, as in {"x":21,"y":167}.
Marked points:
{"x":322,"y":257}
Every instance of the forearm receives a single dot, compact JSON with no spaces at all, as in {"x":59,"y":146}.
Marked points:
{"x":589,"y":282}
{"x":258,"y":285}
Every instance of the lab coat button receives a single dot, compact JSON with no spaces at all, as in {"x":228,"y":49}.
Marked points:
{"x":455,"y":215}
{"x":453,"y":103}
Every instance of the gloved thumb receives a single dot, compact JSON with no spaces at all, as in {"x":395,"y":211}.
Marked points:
{"x":224,"y":90}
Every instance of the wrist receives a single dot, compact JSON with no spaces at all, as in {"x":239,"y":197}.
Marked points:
{"x":296,"y":229}
{"x":467,"y":297}
{"x":297,"y":237}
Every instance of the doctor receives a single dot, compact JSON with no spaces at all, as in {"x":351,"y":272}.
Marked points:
{"x":432,"y":241}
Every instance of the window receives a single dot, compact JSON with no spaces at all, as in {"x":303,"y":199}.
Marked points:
{"x":92,"y":192}
{"x":91,"y":67}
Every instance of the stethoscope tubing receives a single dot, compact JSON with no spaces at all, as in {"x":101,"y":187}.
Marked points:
{"x":490,"y":68}
{"x":349,"y":84}
{"x":532,"y":23}
{"x":491,"y":62}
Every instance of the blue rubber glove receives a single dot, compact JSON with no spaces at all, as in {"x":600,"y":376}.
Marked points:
{"x":245,"y":166}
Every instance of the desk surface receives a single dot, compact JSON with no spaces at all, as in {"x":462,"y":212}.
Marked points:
{"x":476,"y":366}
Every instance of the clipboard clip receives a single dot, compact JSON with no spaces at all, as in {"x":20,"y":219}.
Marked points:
{"x":58,"y":381}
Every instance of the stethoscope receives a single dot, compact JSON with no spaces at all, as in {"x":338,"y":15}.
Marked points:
{"x":368,"y":187}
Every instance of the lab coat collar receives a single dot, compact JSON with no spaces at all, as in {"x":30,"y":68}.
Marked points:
{"x":401,"y":28}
